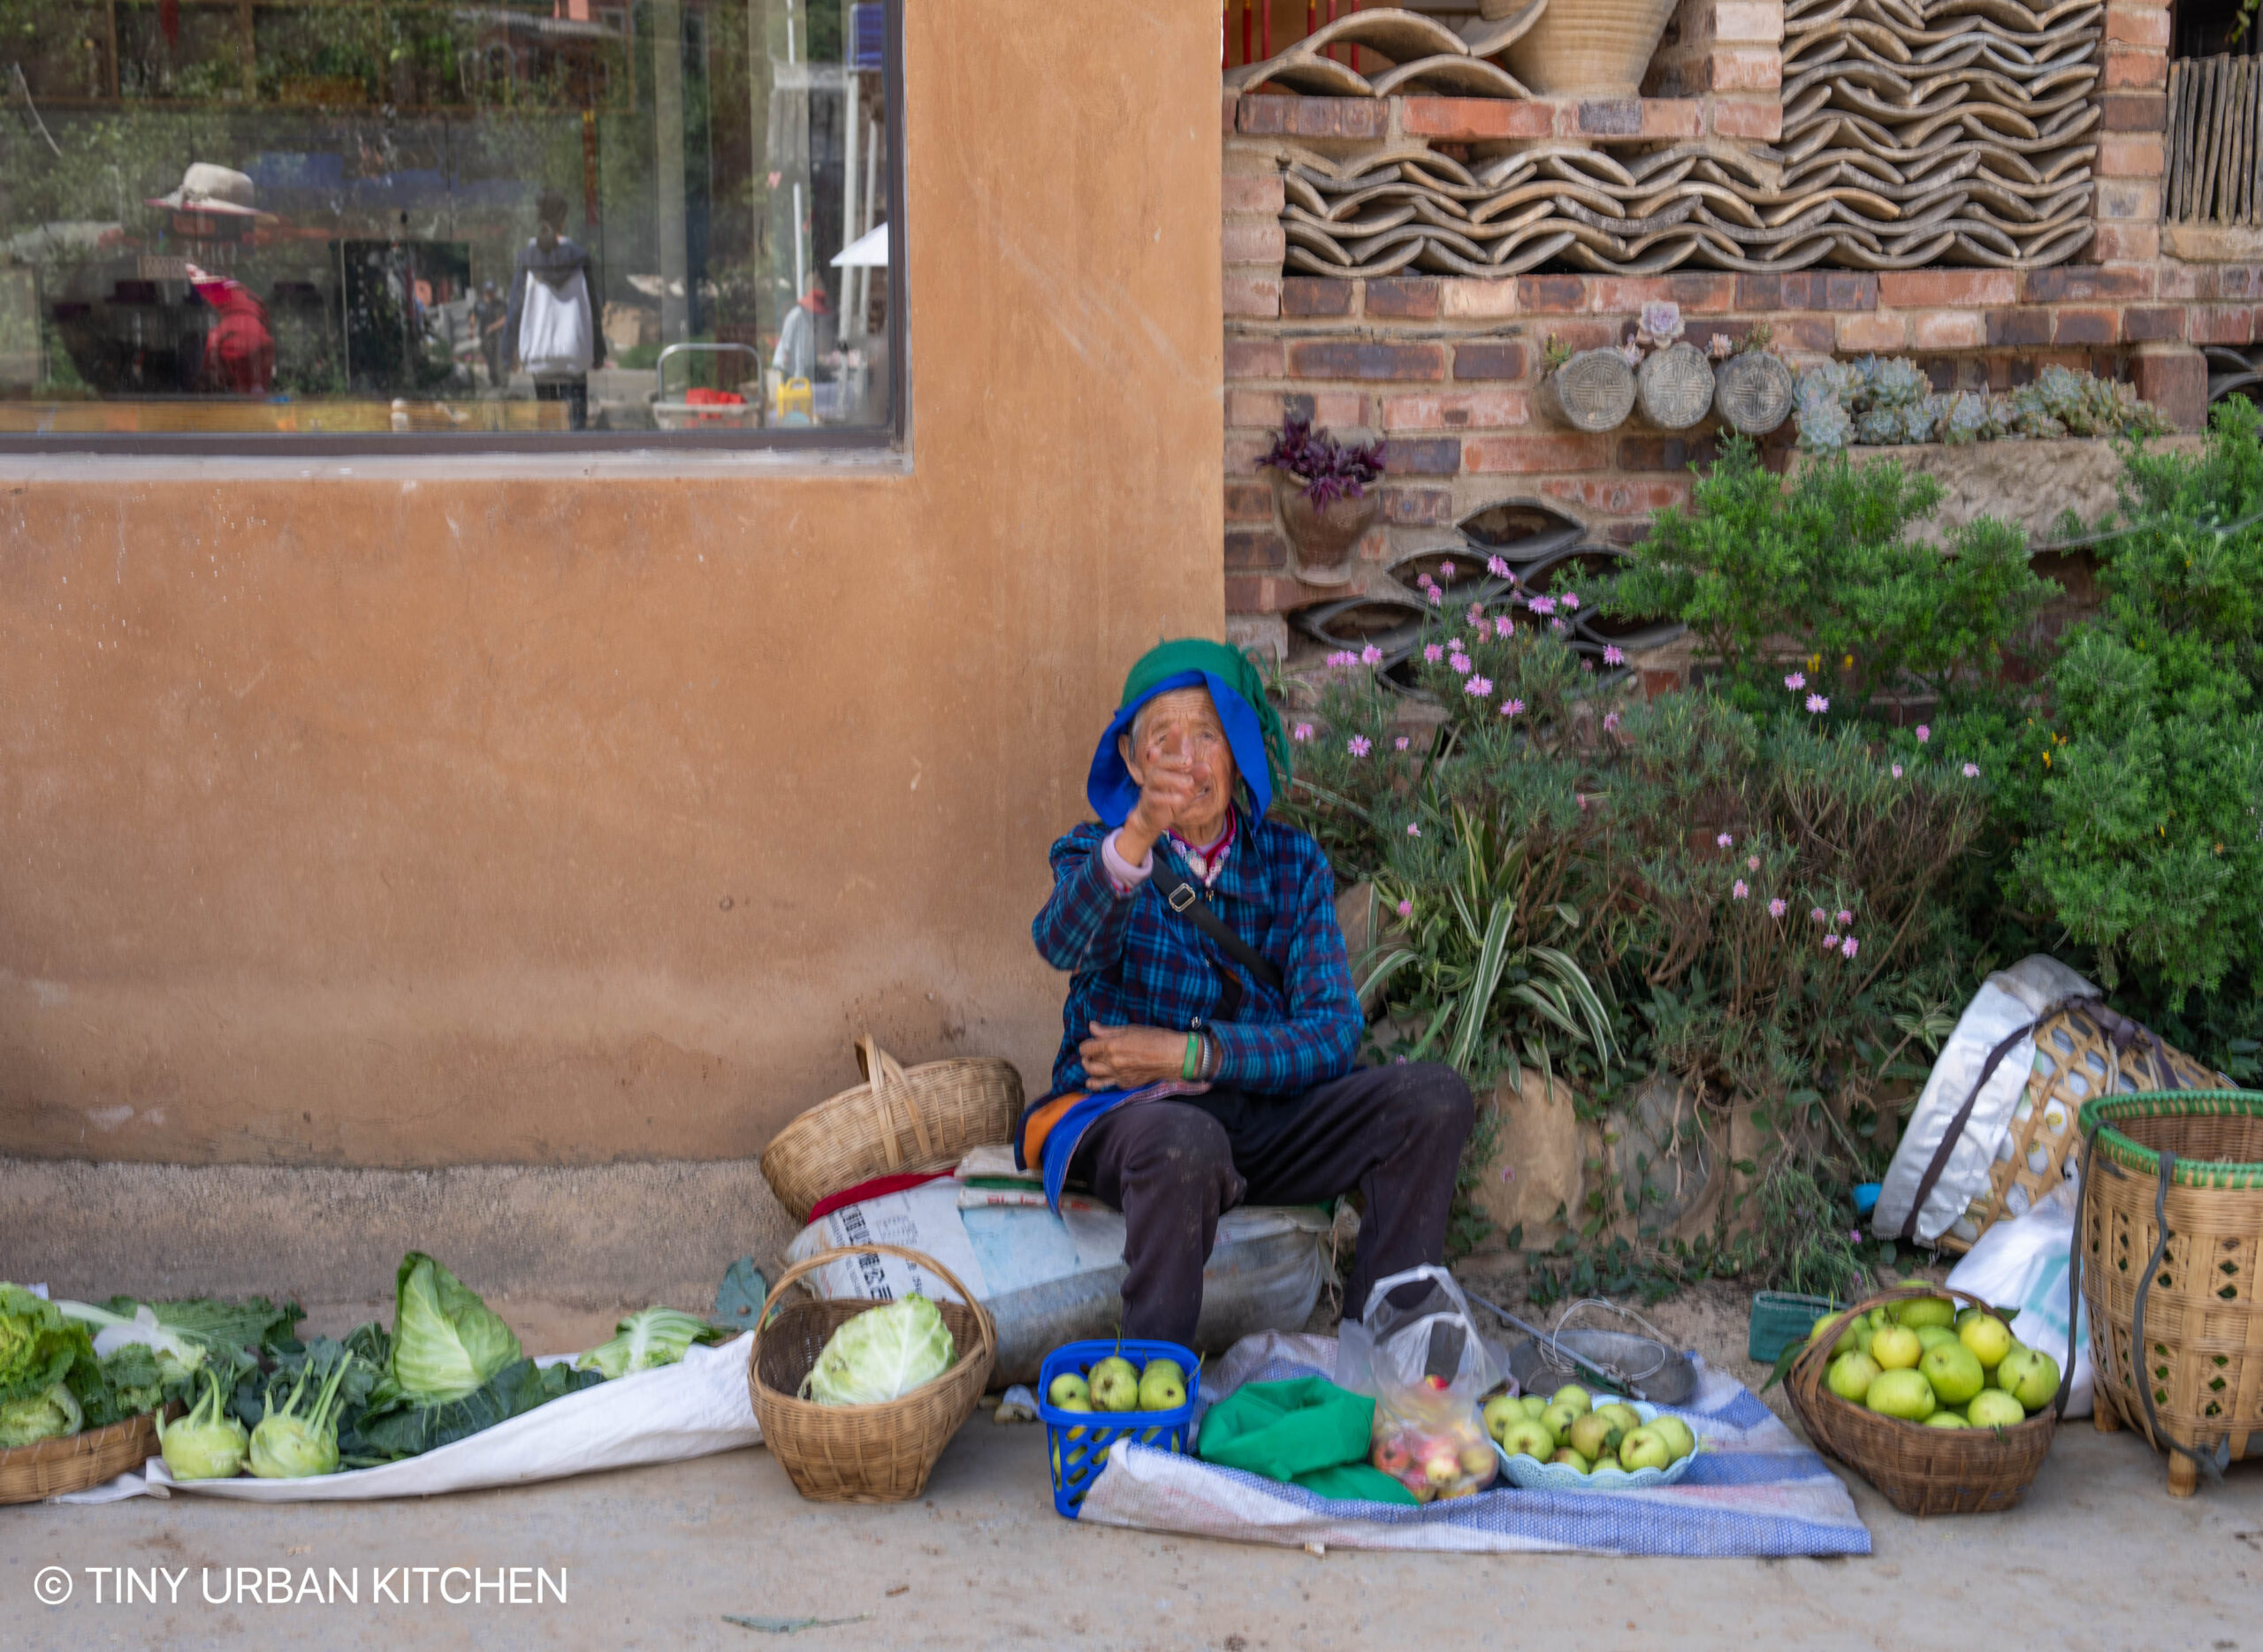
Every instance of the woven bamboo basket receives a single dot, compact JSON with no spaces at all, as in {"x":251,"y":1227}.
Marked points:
{"x":899,"y":1120}
{"x":1753,"y":392}
{"x":862,"y":1453}
{"x":2176,"y":1343}
{"x":1921,"y":1469}
{"x":1593,"y":391}
{"x":2075,"y":1061}
{"x":1675,"y":386}
{"x":76,"y":1461}
{"x":1599,"y":48}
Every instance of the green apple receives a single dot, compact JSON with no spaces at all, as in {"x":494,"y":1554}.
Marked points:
{"x":1566,"y":1454}
{"x":2010,"y":1367}
{"x":1074,"y":1402}
{"x":1922,"y":1311}
{"x":1992,"y":1408}
{"x":2036,"y":1384}
{"x":1896,"y":1348}
{"x":1529,"y":1436}
{"x":1114,"y":1384}
{"x":1946,"y":1420}
{"x":1932,"y":1337}
{"x":1560,"y":1417}
{"x":1621,"y":1413}
{"x":1501,"y":1411}
{"x":1577,"y":1398}
{"x":1069,"y":1386}
{"x":1955,"y":1372}
{"x":1902,"y":1393}
{"x":1594,"y":1435}
{"x":1677,"y":1434}
{"x":1163,"y":1386}
{"x":1645,"y":1447}
{"x":1865,"y":1333}
{"x":1535,"y":1407}
{"x":1850,"y":1377}
{"x":1846,"y":1342}
{"x":1988,"y":1337}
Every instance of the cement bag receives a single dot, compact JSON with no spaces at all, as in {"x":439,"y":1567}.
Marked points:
{"x":2023,"y":1264}
{"x":691,"y":1409}
{"x":1048,"y":1280}
{"x":2008,"y":1000}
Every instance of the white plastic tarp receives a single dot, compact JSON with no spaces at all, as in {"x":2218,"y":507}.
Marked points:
{"x":2008,"y":1000}
{"x":692,"y":1409}
{"x":2023,"y":1264}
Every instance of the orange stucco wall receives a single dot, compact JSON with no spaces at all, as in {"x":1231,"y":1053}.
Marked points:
{"x":462,"y":814}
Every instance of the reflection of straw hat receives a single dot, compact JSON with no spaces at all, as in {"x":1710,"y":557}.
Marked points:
{"x":219,"y":190}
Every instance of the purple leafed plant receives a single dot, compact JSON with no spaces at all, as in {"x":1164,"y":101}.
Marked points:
{"x":1329,"y":470}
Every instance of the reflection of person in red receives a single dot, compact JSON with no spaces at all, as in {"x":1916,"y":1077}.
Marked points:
{"x":239,"y":350}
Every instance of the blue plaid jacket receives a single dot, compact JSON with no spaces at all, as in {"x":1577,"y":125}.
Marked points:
{"x":1136,"y":963}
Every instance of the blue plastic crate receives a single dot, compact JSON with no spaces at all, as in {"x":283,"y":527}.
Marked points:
{"x":1077,"y":1443}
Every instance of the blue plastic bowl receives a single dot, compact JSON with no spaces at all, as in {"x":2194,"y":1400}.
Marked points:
{"x":1077,"y":1443}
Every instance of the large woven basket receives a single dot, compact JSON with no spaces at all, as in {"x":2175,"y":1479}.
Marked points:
{"x":76,"y":1461}
{"x":862,"y":1453}
{"x":1921,"y":1469}
{"x":899,"y":1120}
{"x":2076,"y":1061}
{"x":1599,"y":48}
{"x":2177,"y":1344}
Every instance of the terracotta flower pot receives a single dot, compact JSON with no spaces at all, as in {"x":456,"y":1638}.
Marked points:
{"x":1597,"y":48}
{"x":1324,"y":536}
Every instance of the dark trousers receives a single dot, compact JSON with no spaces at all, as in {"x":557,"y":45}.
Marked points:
{"x":575,"y":392}
{"x":1395,"y":1133}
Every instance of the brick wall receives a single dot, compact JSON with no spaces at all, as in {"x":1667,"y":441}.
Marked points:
{"x":1447,"y":368}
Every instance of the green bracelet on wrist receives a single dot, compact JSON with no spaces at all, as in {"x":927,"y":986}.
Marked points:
{"x":1193,"y":1063}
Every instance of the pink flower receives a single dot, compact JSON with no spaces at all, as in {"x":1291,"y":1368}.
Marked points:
{"x":1302,"y":731}
{"x":1357,"y":745}
{"x":1796,"y":682}
{"x":1725,"y":841}
{"x":1445,"y":570}
{"x":1460,"y":663}
{"x":1739,"y":890}
{"x":1478,"y":687}
{"x":1498,"y":568}
{"x":1818,"y":915}
{"x":1542,"y":605}
{"x":1437,"y":596}
{"x":1343,"y":656}
{"x":1401,"y":742}
{"x":1752,"y":863}
{"x":1555,"y":625}
{"x":1849,"y":947}
{"x":1413,"y":829}
{"x":1897,"y":770}
{"x":1432,"y":653}
{"x":1631,"y":354}
{"x":1777,"y":908}
{"x":1407,"y":909}
{"x":1580,"y":798}
{"x":1611,"y":721}
{"x":1971,"y":771}
{"x":1924,"y":734}
{"x":1477,"y":618}
{"x":1513,"y":708}
{"x":1371,"y":655}
{"x":1613,"y":655}
{"x":1831,"y":943}
{"x":1570,"y":599}
{"x":1845,"y":918}
{"x":1817,"y":703}
{"x":1425,"y":581}
{"x":1585,"y":665}
{"x":1505,"y":627}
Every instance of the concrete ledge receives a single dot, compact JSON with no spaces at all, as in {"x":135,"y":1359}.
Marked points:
{"x":592,"y":1237}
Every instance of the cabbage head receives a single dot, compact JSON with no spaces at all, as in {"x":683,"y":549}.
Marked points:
{"x":649,"y":1337}
{"x":883,"y":1354}
{"x":208,"y":1443}
{"x":38,"y":1346}
{"x":446,"y":1341}
{"x":47,"y":1414}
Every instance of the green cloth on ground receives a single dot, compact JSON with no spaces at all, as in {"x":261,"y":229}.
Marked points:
{"x":1309,"y":1433}
{"x":1231,"y":666}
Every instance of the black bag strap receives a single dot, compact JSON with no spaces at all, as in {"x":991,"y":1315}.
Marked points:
{"x":1187,"y":901}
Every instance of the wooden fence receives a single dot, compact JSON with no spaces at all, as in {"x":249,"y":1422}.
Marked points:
{"x":2215,"y":159}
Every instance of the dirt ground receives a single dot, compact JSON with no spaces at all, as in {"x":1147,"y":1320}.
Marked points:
{"x":2097,"y":1559}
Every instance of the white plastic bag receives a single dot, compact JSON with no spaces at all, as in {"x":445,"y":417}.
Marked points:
{"x":554,"y":335}
{"x":1426,"y":1366}
{"x":2007,"y":1001}
{"x":2023,"y":1264}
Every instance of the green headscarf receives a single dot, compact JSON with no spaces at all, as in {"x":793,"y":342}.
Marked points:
{"x":1239,"y":693}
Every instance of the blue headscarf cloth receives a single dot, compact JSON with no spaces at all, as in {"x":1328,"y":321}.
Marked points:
{"x":1252,"y":728}
{"x":1262,"y":760}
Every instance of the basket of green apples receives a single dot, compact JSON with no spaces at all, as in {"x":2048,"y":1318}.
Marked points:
{"x":1092,"y":1394}
{"x":1570,"y":1441}
{"x":1924,"y":1392}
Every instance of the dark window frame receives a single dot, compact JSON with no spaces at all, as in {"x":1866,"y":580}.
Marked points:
{"x":892,"y":437}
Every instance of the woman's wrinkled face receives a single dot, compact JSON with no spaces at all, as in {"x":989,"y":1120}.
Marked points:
{"x":1181,"y":730}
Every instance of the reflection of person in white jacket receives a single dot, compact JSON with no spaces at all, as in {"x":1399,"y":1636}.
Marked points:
{"x":797,"y":351}
{"x":552,"y":327}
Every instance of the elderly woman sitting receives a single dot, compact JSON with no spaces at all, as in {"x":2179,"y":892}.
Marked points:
{"x":1208,"y":1037}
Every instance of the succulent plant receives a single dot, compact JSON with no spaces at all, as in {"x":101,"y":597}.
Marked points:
{"x":1897,"y":384}
{"x":1880,"y":427}
{"x":1967,"y":418}
{"x":1824,"y":425}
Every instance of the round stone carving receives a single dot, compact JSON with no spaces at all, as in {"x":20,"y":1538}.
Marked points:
{"x":1593,"y":391}
{"x":1676,"y":386}
{"x":1753,"y":393}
